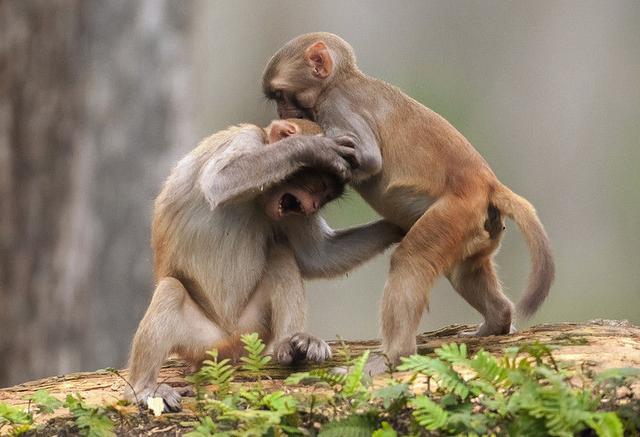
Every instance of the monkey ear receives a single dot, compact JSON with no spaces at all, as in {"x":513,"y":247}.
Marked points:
{"x":318,"y":57}
{"x":279,"y":129}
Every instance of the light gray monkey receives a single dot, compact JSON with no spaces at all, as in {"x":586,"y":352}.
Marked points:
{"x":234,"y":234}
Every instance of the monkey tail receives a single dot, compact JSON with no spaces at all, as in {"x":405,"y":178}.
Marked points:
{"x":543,"y":269}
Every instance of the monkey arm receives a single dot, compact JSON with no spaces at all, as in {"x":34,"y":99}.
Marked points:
{"x":247,"y":165}
{"x":339,"y":122}
{"x":323,"y":252}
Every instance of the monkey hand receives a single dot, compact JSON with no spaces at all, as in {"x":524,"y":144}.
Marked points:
{"x":300,"y":347}
{"x":328,"y":154}
{"x":347,"y":142}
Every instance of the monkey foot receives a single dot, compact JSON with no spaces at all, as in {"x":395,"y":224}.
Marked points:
{"x":376,"y":365}
{"x":171,"y":396}
{"x":484,"y":331}
{"x":301,"y":346}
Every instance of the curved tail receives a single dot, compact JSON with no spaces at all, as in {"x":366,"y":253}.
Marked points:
{"x":543,"y":269}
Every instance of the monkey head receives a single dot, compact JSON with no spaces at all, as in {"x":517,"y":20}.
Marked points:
{"x":306,"y":191}
{"x":303,"y":69}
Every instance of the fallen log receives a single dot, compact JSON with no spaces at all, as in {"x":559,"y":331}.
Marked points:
{"x":595,"y":345}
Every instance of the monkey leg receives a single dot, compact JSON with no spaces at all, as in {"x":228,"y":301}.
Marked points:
{"x":430,"y":248}
{"x":283,"y":281}
{"x":173,"y":323}
{"x":476,"y":280}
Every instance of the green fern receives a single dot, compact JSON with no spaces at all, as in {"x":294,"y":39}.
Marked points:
{"x":254,"y":361}
{"x":332,"y":379}
{"x":18,"y":420}
{"x":44,"y":402}
{"x":488,"y":368}
{"x":218,"y":373}
{"x":428,"y":414}
{"x":385,"y":430}
{"x":353,"y":382}
{"x":91,"y":421}
{"x":448,"y":378}
{"x":353,"y":426}
{"x":453,"y":353}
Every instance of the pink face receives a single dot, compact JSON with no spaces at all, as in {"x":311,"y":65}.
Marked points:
{"x":303,"y":194}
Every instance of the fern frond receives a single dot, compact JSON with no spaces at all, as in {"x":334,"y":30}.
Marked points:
{"x":352,"y":426}
{"x":453,"y":353}
{"x":448,"y":378}
{"x":315,"y":376}
{"x":218,"y":373}
{"x":353,"y":382}
{"x":254,"y":361}
{"x":428,"y":414}
{"x":488,"y":368}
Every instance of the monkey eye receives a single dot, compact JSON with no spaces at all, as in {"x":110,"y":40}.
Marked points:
{"x":277,"y":95}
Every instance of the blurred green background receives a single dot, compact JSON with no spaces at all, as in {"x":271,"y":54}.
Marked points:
{"x":547,"y":91}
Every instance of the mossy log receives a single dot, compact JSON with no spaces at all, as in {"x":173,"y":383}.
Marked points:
{"x":595,"y":345}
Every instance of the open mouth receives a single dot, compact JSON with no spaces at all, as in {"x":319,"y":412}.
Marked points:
{"x":290,"y":204}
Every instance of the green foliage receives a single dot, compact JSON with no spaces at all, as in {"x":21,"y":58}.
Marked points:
{"x":213,"y":372}
{"x":353,"y":426}
{"x":525,"y":392}
{"x":14,"y":415}
{"x":254,"y":361}
{"x":385,"y":430}
{"x":446,"y":375}
{"x":353,"y":385}
{"x":522,"y":392}
{"x":428,"y":414}
{"x":44,"y":402}
{"x":20,"y":421}
{"x":17,"y":420}
{"x":242,"y":412}
{"x":91,"y":421}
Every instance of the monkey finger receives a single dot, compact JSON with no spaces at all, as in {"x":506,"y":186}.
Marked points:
{"x":349,"y":155}
{"x":346,"y":141}
{"x":186,"y":392}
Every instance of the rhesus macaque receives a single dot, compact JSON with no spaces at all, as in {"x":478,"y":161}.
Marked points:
{"x":419,"y":172}
{"x":234,"y":233}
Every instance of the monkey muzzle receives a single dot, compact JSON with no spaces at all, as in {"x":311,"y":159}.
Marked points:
{"x":293,"y":200}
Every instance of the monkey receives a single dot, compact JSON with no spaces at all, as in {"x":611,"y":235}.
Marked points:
{"x":234,"y":233}
{"x":417,"y":171}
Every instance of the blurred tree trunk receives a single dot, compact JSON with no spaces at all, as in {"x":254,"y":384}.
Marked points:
{"x":94,"y":106}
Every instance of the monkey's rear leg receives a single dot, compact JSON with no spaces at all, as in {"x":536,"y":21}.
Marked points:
{"x":477,"y":282}
{"x":288,"y":311}
{"x":429,"y":249}
{"x":173,"y":322}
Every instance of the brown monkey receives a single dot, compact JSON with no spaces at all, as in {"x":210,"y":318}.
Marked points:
{"x":420,"y":173}
{"x":234,"y":233}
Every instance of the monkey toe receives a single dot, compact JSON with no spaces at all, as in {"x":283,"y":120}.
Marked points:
{"x":310,"y":348}
{"x":284,"y":352}
{"x":170,"y":396}
{"x":485,"y":330}
{"x":377,"y":365}
{"x":318,"y":350}
{"x":300,"y":343}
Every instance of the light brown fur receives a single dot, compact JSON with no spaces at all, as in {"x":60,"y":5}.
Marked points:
{"x":229,"y":260}
{"x":418,"y":171}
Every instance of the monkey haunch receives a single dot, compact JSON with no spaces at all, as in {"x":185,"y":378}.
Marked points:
{"x":234,"y":233}
{"x":419,"y":172}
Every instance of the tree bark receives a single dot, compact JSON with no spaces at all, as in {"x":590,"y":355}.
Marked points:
{"x":94,"y":108}
{"x":597,"y":345}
